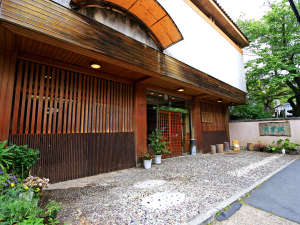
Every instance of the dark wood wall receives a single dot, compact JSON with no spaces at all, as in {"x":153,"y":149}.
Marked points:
{"x":70,"y":156}
{"x":7,"y":68}
{"x":214,"y":124}
{"x":140,"y":119}
{"x":210,"y":123}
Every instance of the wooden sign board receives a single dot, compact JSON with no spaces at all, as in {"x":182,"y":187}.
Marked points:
{"x":275,"y":129}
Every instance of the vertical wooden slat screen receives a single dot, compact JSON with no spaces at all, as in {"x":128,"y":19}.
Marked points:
{"x":213,"y":117}
{"x":214,"y":125}
{"x":81,"y":124}
{"x":56,"y":101}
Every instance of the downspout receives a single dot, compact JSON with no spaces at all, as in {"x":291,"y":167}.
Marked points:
{"x":193,"y":141}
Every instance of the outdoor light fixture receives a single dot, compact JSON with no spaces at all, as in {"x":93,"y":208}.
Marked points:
{"x":160,"y":95}
{"x":180,"y":89}
{"x":95,"y":66}
{"x":219,"y":100}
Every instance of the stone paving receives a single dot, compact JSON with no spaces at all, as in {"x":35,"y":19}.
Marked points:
{"x":248,"y":215}
{"x":171,"y":193}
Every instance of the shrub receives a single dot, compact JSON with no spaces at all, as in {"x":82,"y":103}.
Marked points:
{"x":20,"y":159}
{"x":272,"y":148}
{"x":19,"y":205}
{"x":15,"y":209}
{"x":51,"y":211}
{"x":287,"y":145}
{"x":6,"y":157}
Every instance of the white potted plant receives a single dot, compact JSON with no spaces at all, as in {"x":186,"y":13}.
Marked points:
{"x":147,"y":160}
{"x":158,"y":146}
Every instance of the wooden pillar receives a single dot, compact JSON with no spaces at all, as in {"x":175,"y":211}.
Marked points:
{"x":7,"y":73}
{"x":196,"y":123}
{"x":226,"y":122}
{"x":140,"y":118}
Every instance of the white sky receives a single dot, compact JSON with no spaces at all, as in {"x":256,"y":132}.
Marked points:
{"x":253,"y":9}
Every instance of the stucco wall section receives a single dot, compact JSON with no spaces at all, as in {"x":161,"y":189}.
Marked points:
{"x":203,"y":47}
{"x":248,"y":132}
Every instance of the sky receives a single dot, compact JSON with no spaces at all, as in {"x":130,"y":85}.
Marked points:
{"x":252,"y":9}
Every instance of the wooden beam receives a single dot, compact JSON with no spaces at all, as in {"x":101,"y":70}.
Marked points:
{"x":141,"y":80}
{"x":74,"y":68}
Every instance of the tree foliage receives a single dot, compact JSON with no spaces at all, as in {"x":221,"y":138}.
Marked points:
{"x":274,"y":72}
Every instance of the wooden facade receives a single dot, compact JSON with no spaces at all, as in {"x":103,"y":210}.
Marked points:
{"x":49,"y":100}
{"x":88,"y":121}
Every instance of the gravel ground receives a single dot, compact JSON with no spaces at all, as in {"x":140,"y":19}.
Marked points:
{"x":173,"y":193}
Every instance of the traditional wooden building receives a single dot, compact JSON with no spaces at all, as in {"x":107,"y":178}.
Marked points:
{"x":86,"y":81}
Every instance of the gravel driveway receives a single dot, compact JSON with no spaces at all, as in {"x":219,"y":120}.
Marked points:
{"x":171,"y":193}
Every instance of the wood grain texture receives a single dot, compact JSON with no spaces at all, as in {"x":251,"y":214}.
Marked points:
{"x":7,"y":74}
{"x":74,"y":29}
{"x":140,"y":111}
{"x":70,"y":156}
{"x":54,"y":101}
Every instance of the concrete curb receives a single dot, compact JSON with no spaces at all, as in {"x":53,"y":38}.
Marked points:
{"x":204,"y":219}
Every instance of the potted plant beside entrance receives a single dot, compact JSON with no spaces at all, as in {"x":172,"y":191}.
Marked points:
{"x":158,"y":145}
{"x":147,"y":160}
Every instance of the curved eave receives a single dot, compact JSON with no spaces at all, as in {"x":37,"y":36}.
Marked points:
{"x":150,"y":12}
{"x":214,"y":11}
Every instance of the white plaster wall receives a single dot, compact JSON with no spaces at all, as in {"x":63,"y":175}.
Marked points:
{"x":203,"y":47}
{"x":248,"y":132}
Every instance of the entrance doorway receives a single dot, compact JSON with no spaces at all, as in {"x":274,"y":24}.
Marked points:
{"x":170,"y":115}
{"x":171,"y":129}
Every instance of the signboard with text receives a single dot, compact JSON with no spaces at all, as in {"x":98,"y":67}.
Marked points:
{"x":275,"y":129}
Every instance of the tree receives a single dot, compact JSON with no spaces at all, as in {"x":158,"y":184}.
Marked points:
{"x":274,"y":73}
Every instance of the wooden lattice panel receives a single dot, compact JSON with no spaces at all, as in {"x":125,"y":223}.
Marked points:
{"x":49,"y":100}
{"x":170,"y":127}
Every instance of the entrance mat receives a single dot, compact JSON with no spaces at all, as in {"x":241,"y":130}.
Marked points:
{"x":280,"y":195}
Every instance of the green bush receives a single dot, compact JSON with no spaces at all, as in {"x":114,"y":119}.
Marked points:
{"x":287,"y":145}
{"x":6,"y":157}
{"x":19,"y":205}
{"x":15,"y":209}
{"x":18,"y":159}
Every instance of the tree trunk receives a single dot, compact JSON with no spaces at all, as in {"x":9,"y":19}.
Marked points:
{"x":296,"y":89}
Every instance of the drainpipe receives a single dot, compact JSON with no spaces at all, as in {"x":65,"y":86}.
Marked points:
{"x":193,"y":141}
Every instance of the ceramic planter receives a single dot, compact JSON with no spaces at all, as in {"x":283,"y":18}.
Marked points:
{"x":147,"y":164}
{"x":157,"y":159}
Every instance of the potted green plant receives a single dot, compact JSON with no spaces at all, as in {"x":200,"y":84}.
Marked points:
{"x":271,"y":148}
{"x":147,"y":160}
{"x":158,"y":146}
